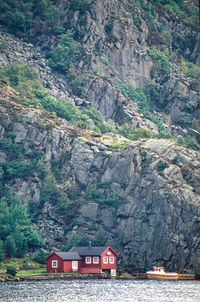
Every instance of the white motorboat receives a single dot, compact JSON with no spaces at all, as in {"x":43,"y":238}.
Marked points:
{"x":158,"y":272}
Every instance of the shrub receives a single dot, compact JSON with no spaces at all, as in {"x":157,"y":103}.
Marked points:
{"x":175,"y":160}
{"x":65,"y":54}
{"x":23,"y":77}
{"x":161,"y":60}
{"x":100,"y":125}
{"x":136,"y":94}
{"x":63,"y":108}
{"x":97,"y":192}
{"x":81,"y":5}
{"x":189,"y":142}
{"x":11,"y":270}
{"x":40,"y":256}
{"x":133,"y":133}
{"x":75,"y":240}
{"x":1,"y":251}
{"x":162,"y":165}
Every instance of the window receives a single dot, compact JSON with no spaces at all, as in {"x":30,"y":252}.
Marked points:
{"x":54,"y":263}
{"x":105,"y":260}
{"x":111,"y":259}
{"x":95,"y":260}
{"x":87,"y":260}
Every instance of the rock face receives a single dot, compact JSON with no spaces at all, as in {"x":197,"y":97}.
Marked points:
{"x":140,"y":200}
{"x":141,"y":197}
{"x":15,"y":50}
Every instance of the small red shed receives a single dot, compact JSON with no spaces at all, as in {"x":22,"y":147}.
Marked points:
{"x":63,"y":262}
{"x":83,"y":259}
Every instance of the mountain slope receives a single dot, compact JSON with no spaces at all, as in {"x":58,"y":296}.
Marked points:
{"x":103,"y":99}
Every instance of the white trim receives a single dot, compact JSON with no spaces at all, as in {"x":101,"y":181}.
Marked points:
{"x":111,"y":260}
{"x":88,"y":260}
{"x":105,"y":260}
{"x":54,"y":263}
{"x":74,"y":266}
{"x":95,"y":260}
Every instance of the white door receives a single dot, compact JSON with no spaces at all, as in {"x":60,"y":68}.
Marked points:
{"x":74,"y":266}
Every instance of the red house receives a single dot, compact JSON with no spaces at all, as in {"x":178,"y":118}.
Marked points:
{"x":63,"y":262}
{"x":83,"y":259}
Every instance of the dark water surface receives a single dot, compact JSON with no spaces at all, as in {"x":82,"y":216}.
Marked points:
{"x":100,"y":291}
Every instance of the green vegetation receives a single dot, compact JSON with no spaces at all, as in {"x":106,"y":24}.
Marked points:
{"x":75,"y":240}
{"x":24,"y":266}
{"x":109,"y":30}
{"x":175,"y":160}
{"x":189,"y":142}
{"x":11,"y":270}
{"x":80,"y":5}
{"x":64,"y":59}
{"x":100,"y":192}
{"x":136,"y":94}
{"x":129,"y":131}
{"x":30,"y":18}
{"x":190,"y":69}
{"x":196,"y":187}
{"x":26,"y":80}
{"x":16,"y":231}
{"x":161,"y":60}
{"x":21,"y":77}
{"x":184,"y":10}
{"x":162,"y":165}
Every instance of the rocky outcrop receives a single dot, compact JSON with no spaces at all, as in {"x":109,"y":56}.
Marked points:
{"x":14,"y":50}
{"x":141,"y":200}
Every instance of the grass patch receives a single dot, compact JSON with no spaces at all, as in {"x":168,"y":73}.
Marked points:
{"x":31,"y":272}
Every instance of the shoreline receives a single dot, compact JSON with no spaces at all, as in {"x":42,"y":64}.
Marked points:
{"x":71,"y":276}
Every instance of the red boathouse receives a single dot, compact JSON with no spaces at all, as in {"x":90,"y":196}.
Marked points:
{"x":83,"y":259}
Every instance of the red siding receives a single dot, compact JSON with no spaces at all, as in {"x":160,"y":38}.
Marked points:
{"x":59,"y":269}
{"x":91,"y":265}
{"x":108,"y":265}
{"x":68,"y":266}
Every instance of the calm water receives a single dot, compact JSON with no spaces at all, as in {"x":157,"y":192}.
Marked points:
{"x":100,"y":291}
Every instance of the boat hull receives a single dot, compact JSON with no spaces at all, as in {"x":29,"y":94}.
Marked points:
{"x":162,"y":276}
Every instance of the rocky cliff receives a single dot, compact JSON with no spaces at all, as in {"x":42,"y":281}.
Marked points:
{"x":141,"y":196}
{"x":140,"y":199}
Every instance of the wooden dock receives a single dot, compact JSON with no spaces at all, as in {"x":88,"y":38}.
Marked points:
{"x":186,"y":276}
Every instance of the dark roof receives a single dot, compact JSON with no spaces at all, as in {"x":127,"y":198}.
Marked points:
{"x":69,"y":255}
{"x":89,"y":251}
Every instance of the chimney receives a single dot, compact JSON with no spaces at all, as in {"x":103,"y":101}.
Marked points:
{"x":90,"y":244}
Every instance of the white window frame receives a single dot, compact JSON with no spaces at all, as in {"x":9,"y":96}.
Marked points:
{"x":105,"y":260}
{"x":88,"y":260}
{"x":54,"y":263}
{"x":111,"y":260}
{"x":95,"y":260}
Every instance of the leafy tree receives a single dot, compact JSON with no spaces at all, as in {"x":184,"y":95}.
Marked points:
{"x":40,"y":256}
{"x":17,"y":22}
{"x":65,"y":54}
{"x":81,"y":5}
{"x":1,"y":251}
{"x":16,"y":231}
{"x":10,"y":246}
{"x":75,"y":240}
